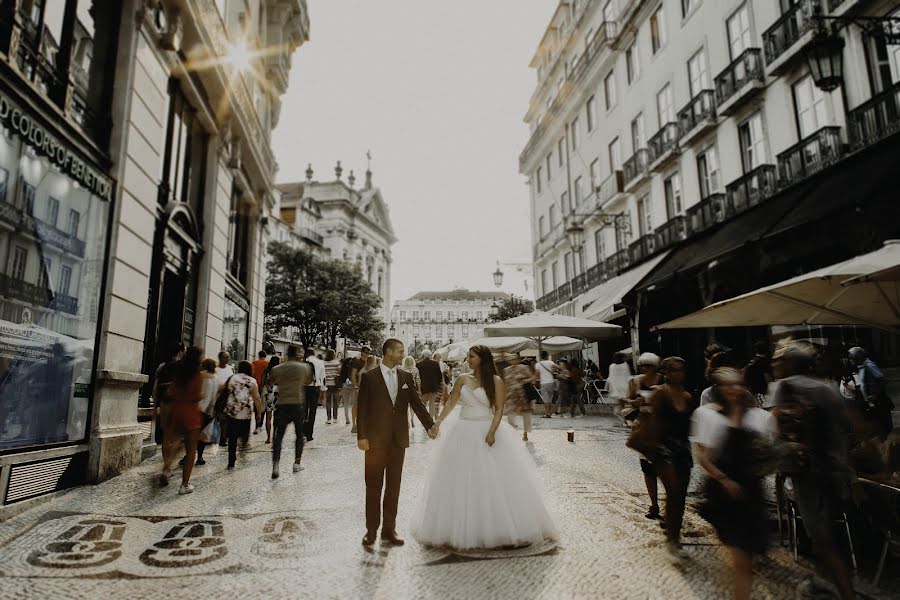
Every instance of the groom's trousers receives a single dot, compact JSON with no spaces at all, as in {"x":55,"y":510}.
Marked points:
{"x":384,"y":470}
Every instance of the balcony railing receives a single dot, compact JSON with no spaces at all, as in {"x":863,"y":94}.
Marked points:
{"x":579,"y":284}
{"x":664,"y":142}
{"x":611,"y":186}
{"x":876,"y":119}
{"x":673,"y":231}
{"x":643,"y":248}
{"x":746,"y":68}
{"x":701,"y":109}
{"x":604,"y":34}
{"x":811,"y":155}
{"x":617,"y":262}
{"x":309,"y":234}
{"x":636,"y":166}
{"x":43,"y":232}
{"x":564,"y":292}
{"x":596,"y":274}
{"x":752,"y":188}
{"x":36,"y":295}
{"x":789,"y":28}
{"x":710,"y":211}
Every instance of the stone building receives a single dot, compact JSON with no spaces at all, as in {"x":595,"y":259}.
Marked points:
{"x":346,"y":222}
{"x":136,"y":175}
{"x":439,"y":318}
{"x":684,"y":151}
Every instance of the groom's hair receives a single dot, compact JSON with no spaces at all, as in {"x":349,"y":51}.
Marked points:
{"x":390,"y":343}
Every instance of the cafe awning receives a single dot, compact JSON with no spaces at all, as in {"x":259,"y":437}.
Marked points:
{"x":599,"y":303}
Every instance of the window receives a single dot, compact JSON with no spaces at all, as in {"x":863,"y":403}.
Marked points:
{"x":479,"y":315}
{"x":554,"y":273}
{"x":402,"y":315}
{"x":544,"y":289}
{"x":439,"y":316}
{"x":645,"y":218}
{"x":609,"y":12}
{"x":687,"y":6}
{"x":632,"y":63}
{"x":573,"y":132}
{"x":591,"y":110}
{"x":19,"y":262}
{"x":28,"y":198}
{"x":465,"y":331}
{"x":600,"y":245}
{"x":4,"y":183}
{"x":44,"y":275}
{"x":537,"y":179}
{"x":74,"y":219}
{"x":438,"y":331}
{"x":638,"y":138}
{"x":698,"y":74}
{"x":240,"y":230}
{"x":567,"y":266}
{"x":811,"y":106}
{"x":615,"y":158}
{"x":739,"y":37}
{"x":674,"y":204}
{"x":415,"y":330}
{"x":753,"y":144}
{"x":553,"y":218}
{"x":52,"y":211}
{"x":465,"y":315}
{"x":427,"y":315}
{"x":415,"y":315}
{"x":549,"y":175}
{"x":449,"y":315}
{"x":182,"y":170}
{"x":708,"y":172}
{"x":541,"y":227}
{"x":564,"y":204}
{"x":560,"y":152}
{"x":665,"y":106}
{"x":579,"y":192}
{"x":658,"y":29}
{"x":609,"y":88}
{"x":451,"y":331}
{"x":65,"y":279}
{"x":595,"y":174}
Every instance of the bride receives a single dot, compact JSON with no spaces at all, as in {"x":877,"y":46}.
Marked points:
{"x":483,"y":489}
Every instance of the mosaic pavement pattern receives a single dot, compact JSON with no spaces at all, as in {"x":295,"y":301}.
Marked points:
{"x":244,"y":535}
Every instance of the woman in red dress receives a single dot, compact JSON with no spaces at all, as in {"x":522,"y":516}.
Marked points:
{"x":185,"y":420}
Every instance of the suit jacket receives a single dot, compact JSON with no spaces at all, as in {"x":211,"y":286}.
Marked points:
{"x":378,"y":420}
{"x":430,"y":374}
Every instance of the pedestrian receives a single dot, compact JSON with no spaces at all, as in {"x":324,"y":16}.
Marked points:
{"x":518,"y":378}
{"x":673,"y":407}
{"x":758,"y":373}
{"x":563,"y":386}
{"x":727,"y":434}
{"x":576,"y":378}
{"x":332,"y":390}
{"x":314,"y":391}
{"x":292,"y":377}
{"x":242,"y":402}
{"x":810,"y":416}
{"x":270,"y":390}
{"x":717,"y":360}
{"x":162,"y":379}
{"x":619,"y":376}
{"x":547,"y":372}
{"x":346,"y":388}
{"x":207,"y":403}
{"x":357,"y":366}
{"x":409,"y":365}
{"x":184,"y":424}
{"x":223,"y":372}
{"x":445,"y":375}
{"x":432,"y":383}
{"x":871,"y":392}
{"x":259,"y":371}
{"x":640,"y":389}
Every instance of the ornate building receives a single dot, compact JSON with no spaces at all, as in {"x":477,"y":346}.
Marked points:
{"x":439,"y":318}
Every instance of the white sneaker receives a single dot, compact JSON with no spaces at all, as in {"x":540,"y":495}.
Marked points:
{"x":298,"y":467}
{"x":328,"y":421}
{"x":186,"y":489}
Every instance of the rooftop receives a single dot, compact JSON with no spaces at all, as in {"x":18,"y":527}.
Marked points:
{"x":460,"y":295}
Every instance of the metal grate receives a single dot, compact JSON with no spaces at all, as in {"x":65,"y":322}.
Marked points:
{"x":38,"y":478}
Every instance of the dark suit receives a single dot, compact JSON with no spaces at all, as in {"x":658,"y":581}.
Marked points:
{"x":384,"y":425}
{"x":430,"y":375}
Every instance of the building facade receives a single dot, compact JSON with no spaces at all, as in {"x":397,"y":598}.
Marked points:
{"x":667,"y":128}
{"x":136,"y":176}
{"x":439,"y":318}
{"x":337,"y":220}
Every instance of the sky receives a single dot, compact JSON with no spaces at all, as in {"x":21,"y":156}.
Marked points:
{"x":437,"y":91}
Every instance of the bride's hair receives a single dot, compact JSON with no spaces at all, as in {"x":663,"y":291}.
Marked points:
{"x":486,"y":370}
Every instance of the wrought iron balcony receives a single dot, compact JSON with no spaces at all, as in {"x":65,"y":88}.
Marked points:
{"x":710,"y":211}
{"x":811,"y":155}
{"x":312,"y":236}
{"x":579,"y":284}
{"x":636,"y":168}
{"x":739,"y":80}
{"x":604,"y":35}
{"x":596,"y":274}
{"x":791,"y":26}
{"x":642,"y":249}
{"x":664,"y":144}
{"x":752,"y":188}
{"x":36,"y":295}
{"x":617,"y":262}
{"x":673,"y":231}
{"x":875,"y":119}
{"x":564,"y":292}
{"x":43,"y":232}
{"x":698,"y":116}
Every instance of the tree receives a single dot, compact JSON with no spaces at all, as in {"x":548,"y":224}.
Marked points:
{"x":512,"y":307}
{"x":322,"y":299}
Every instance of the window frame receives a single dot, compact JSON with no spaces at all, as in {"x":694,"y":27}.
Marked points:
{"x":632,"y":63}
{"x":609,"y":90}
{"x":658,"y":33}
{"x":754,"y":162}
{"x":705,"y":175}
{"x":674,"y":195}
{"x":591,"y":113}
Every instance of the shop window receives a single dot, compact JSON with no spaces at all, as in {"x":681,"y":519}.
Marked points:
{"x":235,"y":325}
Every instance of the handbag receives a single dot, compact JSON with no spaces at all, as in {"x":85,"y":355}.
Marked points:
{"x":222,"y":398}
{"x":211,"y":433}
{"x":643,"y":437}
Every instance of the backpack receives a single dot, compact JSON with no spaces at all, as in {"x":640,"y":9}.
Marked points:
{"x":797,"y":417}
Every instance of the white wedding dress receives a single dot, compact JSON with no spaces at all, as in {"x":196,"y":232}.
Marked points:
{"x":480,"y":496}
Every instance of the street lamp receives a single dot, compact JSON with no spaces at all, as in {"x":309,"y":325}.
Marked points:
{"x":575,"y":232}
{"x":392,"y":329}
{"x":498,"y":276}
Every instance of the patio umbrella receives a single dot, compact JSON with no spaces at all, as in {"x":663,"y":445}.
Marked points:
{"x":859,"y":291}
{"x":520,"y":344}
{"x":540,"y":326}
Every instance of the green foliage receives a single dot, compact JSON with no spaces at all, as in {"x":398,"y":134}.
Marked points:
{"x":512,"y":307}
{"x":322,"y":299}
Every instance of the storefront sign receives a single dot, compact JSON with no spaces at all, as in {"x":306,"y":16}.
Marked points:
{"x":45,"y":143}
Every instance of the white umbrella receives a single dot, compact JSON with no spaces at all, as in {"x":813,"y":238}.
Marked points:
{"x":520,"y":344}
{"x":541,"y":326}
{"x":859,"y":291}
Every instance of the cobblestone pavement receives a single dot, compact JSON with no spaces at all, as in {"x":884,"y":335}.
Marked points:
{"x":242,"y":535}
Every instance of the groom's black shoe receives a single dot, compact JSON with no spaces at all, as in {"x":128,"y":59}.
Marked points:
{"x":390,"y":537}
{"x":369,"y":538}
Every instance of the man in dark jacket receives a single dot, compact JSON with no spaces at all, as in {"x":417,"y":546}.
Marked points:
{"x":432,"y":383}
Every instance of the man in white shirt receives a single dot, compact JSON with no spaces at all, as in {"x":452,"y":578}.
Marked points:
{"x":547,"y":371}
{"x":314,"y":392}
{"x":224,"y":371}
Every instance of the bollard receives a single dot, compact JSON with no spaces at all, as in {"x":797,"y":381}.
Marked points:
{"x":571,"y":434}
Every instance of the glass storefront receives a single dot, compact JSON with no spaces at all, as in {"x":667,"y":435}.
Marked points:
{"x":53,"y":230}
{"x":235,"y":325}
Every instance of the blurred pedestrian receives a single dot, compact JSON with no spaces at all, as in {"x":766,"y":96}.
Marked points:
{"x":162,"y":379}
{"x":727,"y":435}
{"x":409,"y":365}
{"x":224,"y":371}
{"x":871,"y":392}
{"x":758,"y":373}
{"x":718,"y":360}
{"x":270,"y":391}
{"x":619,"y":376}
{"x":259,"y":371}
{"x":432,"y":383}
{"x":346,"y":387}
{"x":563,"y":385}
{"x":357,"y":366}
{"x":576,"y":379}
{"x":314,"y":392}
{"x":292,"y":378}
{"x":547,"y":372}
{"x":637,"y":400}
{"x":207,"y":403}
{"x":185,"y":392}
{"x":332,"y":389}
{"x":518,"y":378}
{"x":673,"y":407}
{"x":242,"y":402}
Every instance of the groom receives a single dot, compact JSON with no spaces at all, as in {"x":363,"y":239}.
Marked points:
{"x":385,"y":394}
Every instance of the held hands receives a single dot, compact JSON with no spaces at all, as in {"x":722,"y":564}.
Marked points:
{"x":490,"y":438}
{"x":435,"y":430}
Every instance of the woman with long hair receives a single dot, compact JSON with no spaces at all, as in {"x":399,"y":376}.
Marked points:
{"x":409,"y":365}
{"x":346,"y":387}
{"x":727,"y":434}
{"x":332,"y":394}
{"x":271,"y":396}
{"x":483,"y":489}
{"x":185,"y":423}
